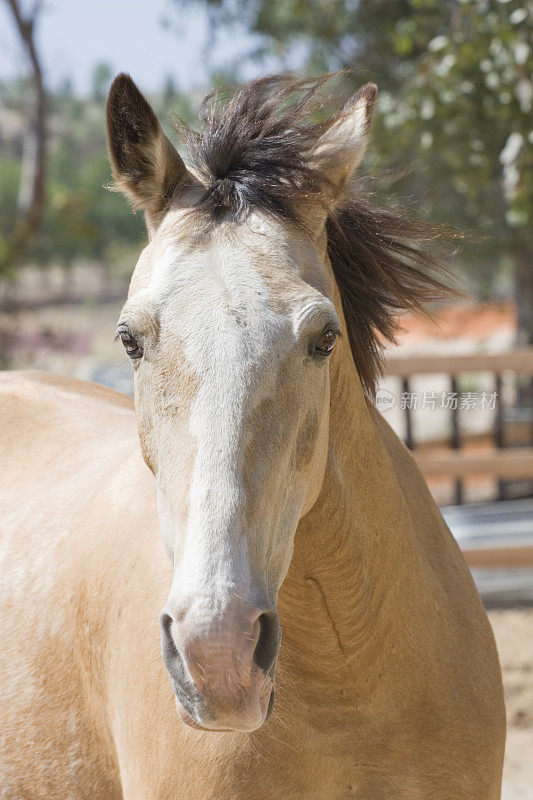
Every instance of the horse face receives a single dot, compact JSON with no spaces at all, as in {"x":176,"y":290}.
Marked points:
{"x":230,"y":338}
{"x":230,"y":327}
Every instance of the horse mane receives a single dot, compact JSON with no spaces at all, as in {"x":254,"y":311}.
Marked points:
{"x":255,"y":151}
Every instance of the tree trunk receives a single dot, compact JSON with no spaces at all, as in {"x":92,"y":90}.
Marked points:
{"x":31,"y":194}
{"x":32,"y":183}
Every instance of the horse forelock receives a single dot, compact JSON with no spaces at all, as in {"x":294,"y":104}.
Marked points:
{"x":255,"y":152}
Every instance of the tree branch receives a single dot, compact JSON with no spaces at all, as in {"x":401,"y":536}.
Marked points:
{"x":31,"y":195}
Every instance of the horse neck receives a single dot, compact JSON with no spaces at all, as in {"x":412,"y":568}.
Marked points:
{"x":356,"y":564}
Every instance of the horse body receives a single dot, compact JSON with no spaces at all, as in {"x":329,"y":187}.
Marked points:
{"x":279,"y":491}
{"x":377,"y":698}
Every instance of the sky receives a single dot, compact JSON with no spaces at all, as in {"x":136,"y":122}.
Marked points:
{"x":74,"y":35}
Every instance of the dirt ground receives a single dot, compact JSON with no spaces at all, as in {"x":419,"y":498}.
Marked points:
{"x":514,"y":636}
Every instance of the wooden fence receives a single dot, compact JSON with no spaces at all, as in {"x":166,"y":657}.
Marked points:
{"x":501,"y":462}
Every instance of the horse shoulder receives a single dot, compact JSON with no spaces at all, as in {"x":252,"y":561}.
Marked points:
{"x":78,"y":531}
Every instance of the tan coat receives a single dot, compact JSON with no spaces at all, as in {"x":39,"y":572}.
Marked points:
{"x":388,"y":684}
{"x":276,"y":480}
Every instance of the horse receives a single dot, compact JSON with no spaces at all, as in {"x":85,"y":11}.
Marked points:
{"x":268,"y":495}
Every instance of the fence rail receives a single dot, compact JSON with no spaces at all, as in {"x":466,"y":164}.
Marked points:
{"x":515,"y":463}
{"x":519,"y":361}
{"x":502,"y":462}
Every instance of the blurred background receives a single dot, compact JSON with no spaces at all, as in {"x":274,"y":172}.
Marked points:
{"x":452,"y":138}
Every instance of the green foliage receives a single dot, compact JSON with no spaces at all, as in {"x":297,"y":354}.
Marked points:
{"x":83,"y":218}
{"x":455,"y":104}
{"x":10,"y":172}
{"x":102,"y":77}
{"x":471,"y":101}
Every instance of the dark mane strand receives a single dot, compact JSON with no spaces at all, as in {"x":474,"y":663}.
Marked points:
{"x":254,"y":152}
{"x":382,"y":269}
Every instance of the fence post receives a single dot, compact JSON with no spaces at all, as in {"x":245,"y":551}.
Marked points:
{"x":456,"y":436}
{"x":409,"y":440}
{"x":499,"y":430}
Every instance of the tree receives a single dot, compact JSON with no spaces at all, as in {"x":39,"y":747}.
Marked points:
{"x":101,"y":81}
{"x":470,"y":104}
{"x":31,"y":194}
{"x":169,"y":91}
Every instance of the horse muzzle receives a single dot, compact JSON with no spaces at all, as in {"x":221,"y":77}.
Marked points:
{"x":221,"y":666}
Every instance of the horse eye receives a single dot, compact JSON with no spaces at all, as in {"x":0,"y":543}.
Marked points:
{"x":131,"y":345}
{"x":324,"y":344}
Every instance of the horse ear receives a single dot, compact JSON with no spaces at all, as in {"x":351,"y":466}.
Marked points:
{"x":341,"y":148}
{"x":146,"y":166}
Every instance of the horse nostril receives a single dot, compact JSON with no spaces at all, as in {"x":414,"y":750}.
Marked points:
{"x":165,"y":623}
{"x":167,"y":640}
{"x":267,"y":645}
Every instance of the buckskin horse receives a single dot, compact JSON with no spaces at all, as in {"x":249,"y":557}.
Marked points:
{"x":254,"y":322}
